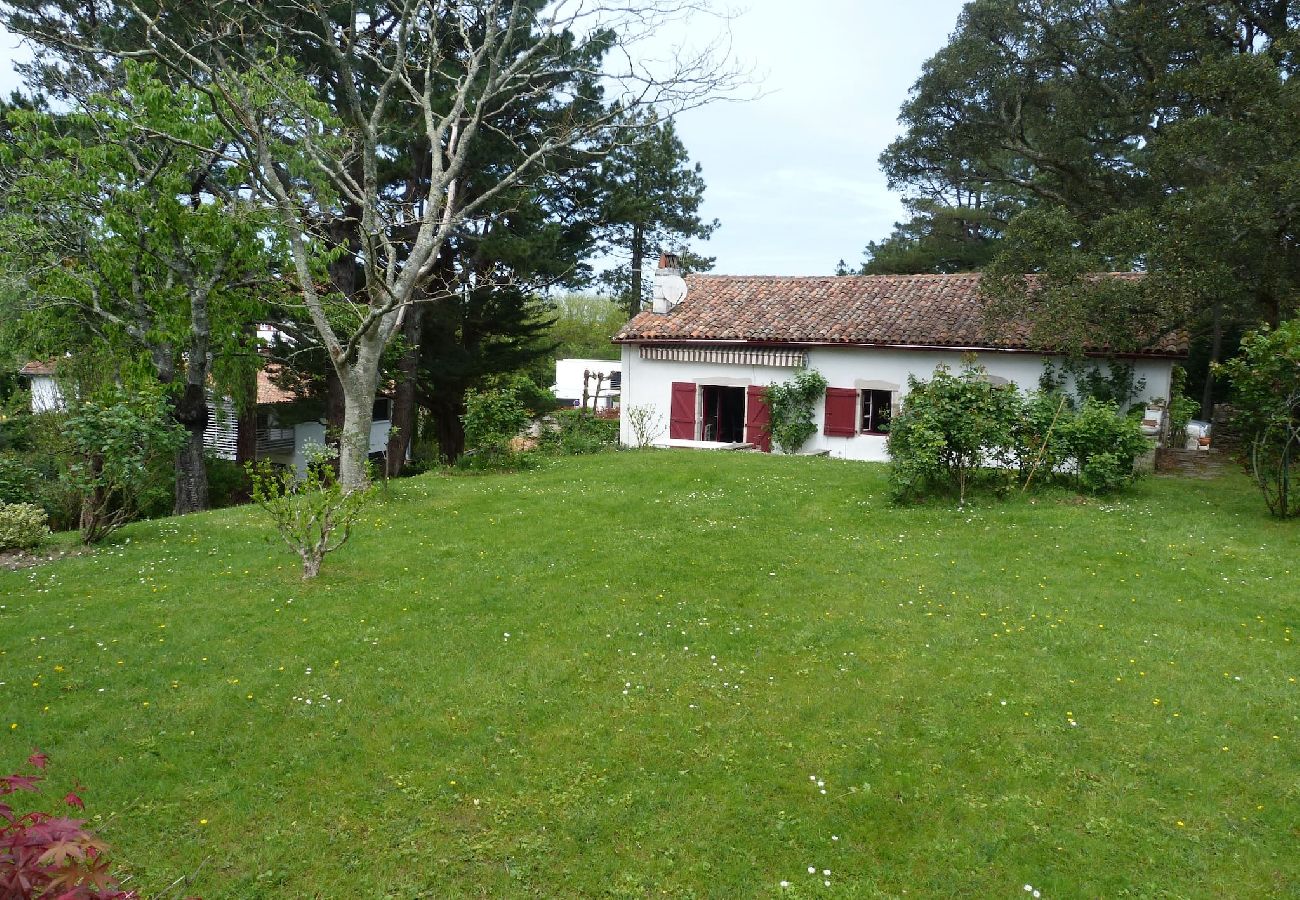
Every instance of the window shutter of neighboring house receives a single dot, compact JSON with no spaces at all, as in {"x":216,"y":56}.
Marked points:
{"x":681,"y":415}
{"x":758,"y":418}
{"x":841,"y":412}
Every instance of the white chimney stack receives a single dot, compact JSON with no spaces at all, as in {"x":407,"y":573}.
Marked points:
{"x":670,"y":287}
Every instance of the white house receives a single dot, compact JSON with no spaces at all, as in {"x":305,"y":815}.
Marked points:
{"x":701,"y":363}
{"x":283,"y":432}
{"x":45,"y":394}
{"x":576,"y":379}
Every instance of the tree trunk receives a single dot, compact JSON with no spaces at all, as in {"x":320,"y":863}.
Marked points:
{"x":191,"y":411}
{"x":359,"y":377}
{"x":445,"y":410}
{"x":638,"y":257}
{"x":334,"y":407}
{"x":403,"y":416}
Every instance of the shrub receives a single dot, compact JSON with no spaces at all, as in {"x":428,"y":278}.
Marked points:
{"x":113,"y":441}
{"x":577,"y":432}
{"x":1103,"y":446}
{"x":1266,"y":380}
{"x":645,"y":423}
{"x":493,"y":418}
{"x":22,"y":526}
{"x":951,"y":428}
{"x":45,"y":854}
{"x":791,"y":406}
{"x":1038,"y":449}
{"x":227,"y":482}
{"x":313,"y":514}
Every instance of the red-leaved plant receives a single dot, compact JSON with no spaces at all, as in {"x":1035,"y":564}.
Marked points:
{"x":44,"y":856}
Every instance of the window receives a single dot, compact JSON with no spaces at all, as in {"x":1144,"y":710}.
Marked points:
{"x":380,"y":413}
{"x":877,"y":408}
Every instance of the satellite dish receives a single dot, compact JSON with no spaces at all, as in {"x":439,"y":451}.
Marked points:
{"x":670,"y":289}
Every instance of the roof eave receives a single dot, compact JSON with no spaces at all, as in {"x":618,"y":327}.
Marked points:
{"x":951,"y":348}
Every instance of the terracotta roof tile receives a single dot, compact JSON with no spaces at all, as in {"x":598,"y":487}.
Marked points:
{"x":878,"y":310}
{"x":37,"y":367}
{"x":267,"y":390}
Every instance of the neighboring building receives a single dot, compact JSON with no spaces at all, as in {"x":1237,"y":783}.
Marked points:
{"x":578,"y":378}
{"x":45,"y":393}
{"x":283,"y":434}
{"x":282,"y":431}
{"x":702,"y":362}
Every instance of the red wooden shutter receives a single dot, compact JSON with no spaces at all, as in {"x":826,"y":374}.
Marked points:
{"x":758,"y":418}
{"x":841,"y":412}
{"x":681,"y":415}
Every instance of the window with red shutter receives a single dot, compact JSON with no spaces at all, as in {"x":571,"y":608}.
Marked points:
{"x":841,"y":412}
{"x":681,"y":415}
{"x":758,"y":418}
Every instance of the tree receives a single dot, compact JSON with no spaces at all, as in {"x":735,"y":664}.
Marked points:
{"x":584,"y":327}
{"x":135,"y":242}
{"x":938,"y":239}
{"x":312,"y":131}
{"x":1266,"y":384}
{"x":1116,"y":135}
{"x":652,"y":201}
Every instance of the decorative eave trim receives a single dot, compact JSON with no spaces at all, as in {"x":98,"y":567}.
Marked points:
{"x":645,"y":342}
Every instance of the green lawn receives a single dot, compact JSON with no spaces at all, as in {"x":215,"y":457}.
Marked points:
{"x":682,"y":674}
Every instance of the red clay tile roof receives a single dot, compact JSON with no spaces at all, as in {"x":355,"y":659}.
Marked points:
{"x":876,"y":310}
{"x":268,"y":391}
{"x":37,"y":367}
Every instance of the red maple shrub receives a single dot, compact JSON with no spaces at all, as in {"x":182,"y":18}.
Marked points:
{"x":46,"y":856}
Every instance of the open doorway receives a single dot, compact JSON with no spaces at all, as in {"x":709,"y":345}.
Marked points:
{"x":722,"y":414}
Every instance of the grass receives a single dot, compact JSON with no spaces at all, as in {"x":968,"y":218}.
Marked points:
{"x":628,"y":674}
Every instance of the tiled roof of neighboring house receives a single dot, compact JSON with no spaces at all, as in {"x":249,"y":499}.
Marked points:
{"x":875,"y":310}
{"x":268,"y":391}
{"x":37,"y":367}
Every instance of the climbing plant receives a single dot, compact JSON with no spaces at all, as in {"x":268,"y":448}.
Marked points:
{"x":792,"y":405}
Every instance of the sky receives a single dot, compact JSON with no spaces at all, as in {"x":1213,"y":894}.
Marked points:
{"x":793,"y":176}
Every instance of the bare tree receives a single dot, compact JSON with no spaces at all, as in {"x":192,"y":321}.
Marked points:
{"x":313,"y":137}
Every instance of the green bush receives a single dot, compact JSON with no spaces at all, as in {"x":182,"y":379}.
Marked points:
{"x":118,"y":445}
{"x":34,"y":478}
{"x":1103,"y":446}
{"x":577,"y":432}
{"x":954,"y":429}
{"x":228,"y":483}
{"x":22,"y":526}
{"x":493,"y":419}
{"x":1266,"y":383}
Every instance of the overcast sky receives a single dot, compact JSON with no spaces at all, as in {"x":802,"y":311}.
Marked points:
{"x":793,"y":176}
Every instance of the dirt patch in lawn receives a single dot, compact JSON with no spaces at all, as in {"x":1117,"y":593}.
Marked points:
{"x":25,"y":559}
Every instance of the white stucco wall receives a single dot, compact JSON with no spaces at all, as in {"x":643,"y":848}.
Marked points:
{"x":46,"y":396}
{"x":305,"y":433}
{"x":649,"y":383}
{"x":568,"y":378}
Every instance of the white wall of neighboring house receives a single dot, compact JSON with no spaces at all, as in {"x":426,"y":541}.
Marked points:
{"x":569,"y":380}
{"x":46,"y":396}
{"x":648,"y":382}
{"x":307,"y":433}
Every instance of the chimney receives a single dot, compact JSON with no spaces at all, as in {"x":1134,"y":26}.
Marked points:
{"x":670,"y":287}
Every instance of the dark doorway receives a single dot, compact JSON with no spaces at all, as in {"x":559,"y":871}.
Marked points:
{"x":723,"y":414}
